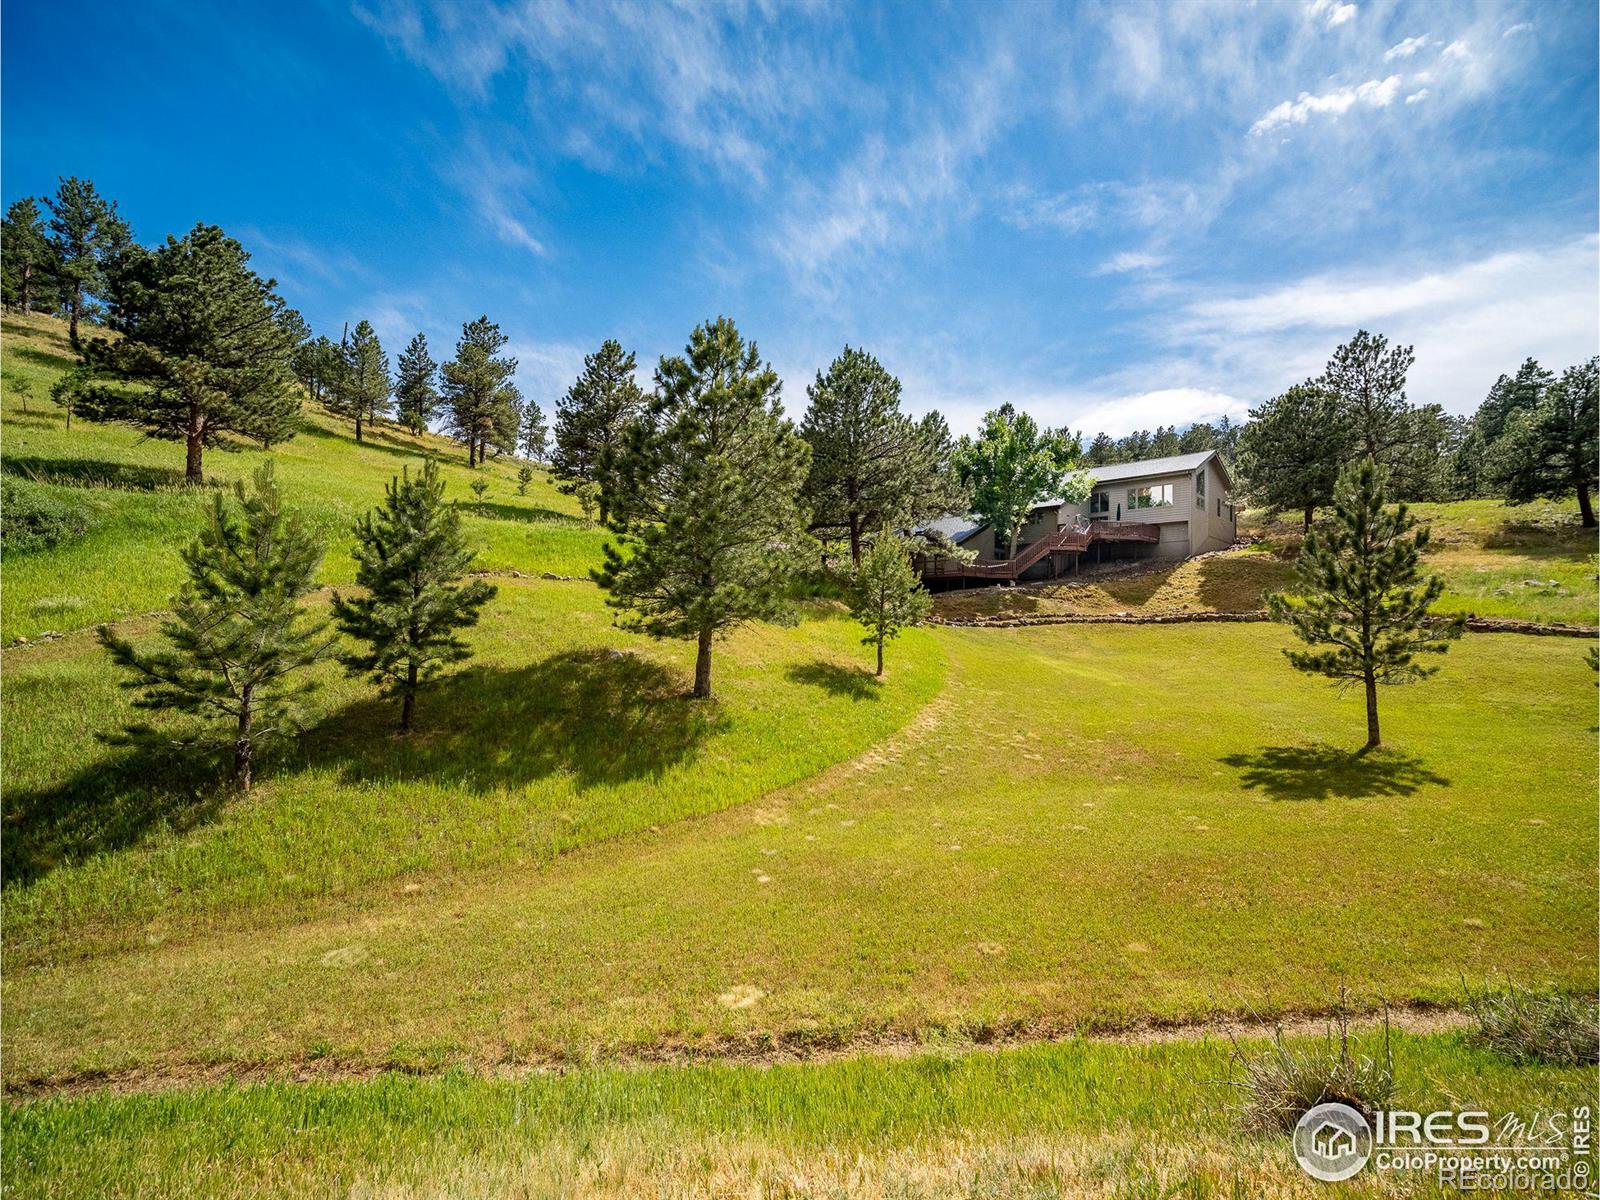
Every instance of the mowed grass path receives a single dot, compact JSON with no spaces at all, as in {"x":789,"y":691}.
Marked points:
{"x":1088,"y":827}
{"x":131,"y":491}
{"x":1071,"y":1119}
{"x":1530,"y":562}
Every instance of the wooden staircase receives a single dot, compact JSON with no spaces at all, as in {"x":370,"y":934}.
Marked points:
{"x":1066,"y":539}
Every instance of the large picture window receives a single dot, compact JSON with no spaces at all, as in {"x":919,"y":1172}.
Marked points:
{"x":1159,"y":496}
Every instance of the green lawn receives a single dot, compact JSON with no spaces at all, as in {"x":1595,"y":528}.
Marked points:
{"x":1118,"y":824}
{"x":1074,"y":1118}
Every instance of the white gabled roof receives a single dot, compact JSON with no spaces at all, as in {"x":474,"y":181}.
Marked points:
{"x":1147,"y":468}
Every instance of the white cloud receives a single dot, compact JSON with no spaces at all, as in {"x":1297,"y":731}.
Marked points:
{"x":1456,"y":49}
{"x":1519,"y":27}
{"x":1130,"y":261}
{"x":1332,"y":13}
{"x":1406,"y":48}
{"x":1374,"y":93}
{"x":1469,"y":322}
{"x":1417,"y":97}
{"x":1180,"y":406}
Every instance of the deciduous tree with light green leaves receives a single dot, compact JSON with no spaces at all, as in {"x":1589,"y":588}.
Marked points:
{"x":886,"y":595}
{"x":871,"y":464}
{"x":704,"y":496}
{"x":1012,"y":465}
{"x":410,"y":557}
{"x":240,"y":640}
{"x":1361,"y":600}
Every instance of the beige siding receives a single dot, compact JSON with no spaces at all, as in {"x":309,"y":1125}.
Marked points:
{"x":1209,"y":531}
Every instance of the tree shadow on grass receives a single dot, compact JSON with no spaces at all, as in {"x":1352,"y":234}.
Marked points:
{"x":110,"y":805}
{"x":1323,"y":772}
{"x":530,"y":514}
{"x":1543,"y":539}
{"x":56,"y":361}
{"x":599,"y":716}
{"x":850,"y":683}
{"x":95,"y":473}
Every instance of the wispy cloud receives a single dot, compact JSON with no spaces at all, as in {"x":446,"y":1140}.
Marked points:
{"x":1374,"y":93}
{"x":1331,"y":12}
{"x":1130,"y":261}
{"x":1406,"y":49}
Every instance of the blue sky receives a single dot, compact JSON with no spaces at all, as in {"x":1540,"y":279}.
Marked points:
{"x":1116,"y":215}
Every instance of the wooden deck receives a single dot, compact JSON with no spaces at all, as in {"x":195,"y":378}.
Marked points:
{"x":1068,"y":539}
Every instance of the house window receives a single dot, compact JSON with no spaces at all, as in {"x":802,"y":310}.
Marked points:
{"x":1219,"y":506}
{"x":1099,"y":502}
{"x":1159,"y":496}
{"x":1200,"y":486}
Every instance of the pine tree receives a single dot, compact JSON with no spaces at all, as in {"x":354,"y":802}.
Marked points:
{"x":886,"y":594}
{"x":316,"y":363}
{"x":592,"y":423}
{"x":704,"y":497}
{"x":1012,"y":465}
{"x":410,"y":557}
{"x":524,"y":478}
{"x":1361,"y":594}
{"x":416,"y":391}
{"x":1550,"y":450}
{"x":871,"y":464}
{"x":1291,"y":450}
{"x":1368,"y":381}
{"x":1166,"y":442}
{"x":86,"y":236}
{"x":361,"y":387}
{"x":239,"y":638}
{"x":209,"y":340}
{"x":28,"y":267}
{"x":506,"y":429}
{"x":535,"y":433}
{"x":478,"y":391}
{"x":1102,"y":451}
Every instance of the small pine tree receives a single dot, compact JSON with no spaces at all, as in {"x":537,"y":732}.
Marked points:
{"x":361,"y":387}
{"x":410,"y":555}
{"x":886,"y":595}
{"x":1361,"y":594}
{"x":479,"y":486}
{"x":240,"y":640}
{"x":524,"y":478}
{"x":535,"y":435}
{"x":592,"y":423}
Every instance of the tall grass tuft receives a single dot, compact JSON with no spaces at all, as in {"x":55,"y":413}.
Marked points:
{"x":1526,"y":1025}
{"x":1283,"y":1081}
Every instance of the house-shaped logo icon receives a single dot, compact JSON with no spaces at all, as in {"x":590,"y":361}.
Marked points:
{"x":1332,"y":1142}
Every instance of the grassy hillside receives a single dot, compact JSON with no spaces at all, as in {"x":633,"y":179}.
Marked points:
{"x":128,"y":494}
{"x":1531,"y":562}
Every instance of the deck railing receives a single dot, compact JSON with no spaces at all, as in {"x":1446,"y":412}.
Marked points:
{"x":1066,"y":539}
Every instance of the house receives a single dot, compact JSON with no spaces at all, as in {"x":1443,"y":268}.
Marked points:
{"x":1171,"y":508}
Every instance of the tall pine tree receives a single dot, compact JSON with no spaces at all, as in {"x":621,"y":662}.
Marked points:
{"x":87,"y":237}
{"x":239,"y":640}
{"x":1550,"y":451}
{"x":28,"y":268}
{"x":886,"y":594}
{"x":871,"y":464}
{"x":361,"y":386}
{"x":208,"y":339}
{"x":1368,"y":380}
{"x":1361,"y":594}
{"x":410,"y":557}
{"x":1291,"y":450}
{"x":705,"y":499}
{"x":416,"y":390}
{"x":478,"y":393}
{"x":592,"y":423}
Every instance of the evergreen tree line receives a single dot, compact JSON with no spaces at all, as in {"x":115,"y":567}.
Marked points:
{"x":1533,"y":437}
{"x":1167,"y":440}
